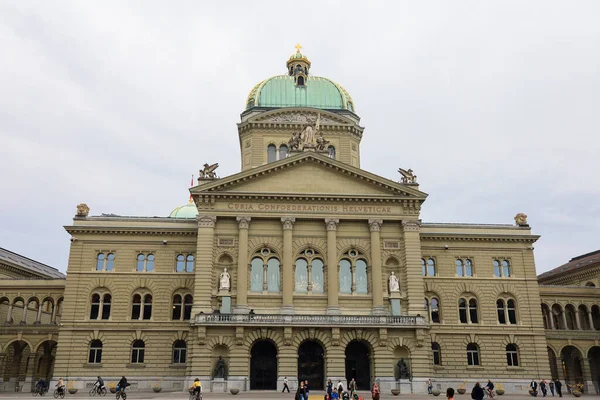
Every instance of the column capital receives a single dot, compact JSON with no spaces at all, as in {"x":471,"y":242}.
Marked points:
{"x":206,"y":221}
{"x":375,"y":224}
{"x":288,"y":222}
{"x":331,"y":223}
{"x":243,"y":222}
{"x":411,"y":226}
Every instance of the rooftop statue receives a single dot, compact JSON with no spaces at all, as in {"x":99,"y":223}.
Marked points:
{"x":82,"y":210}
{"x":208,"y":172}
{"x":407,"y":176}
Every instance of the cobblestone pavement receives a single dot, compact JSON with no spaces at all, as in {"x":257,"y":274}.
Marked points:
{"x":258,"y":395}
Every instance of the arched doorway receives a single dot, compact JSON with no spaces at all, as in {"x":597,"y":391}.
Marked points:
{"x":358,"y":364}
{"x":45,"y":356}
{"x":17,"y":364}
{"x":263,"y":366}
{"x":311,"y":365}
{"x":552,"y":361}
{"x":594,"y":359}
{"x":571,"y":363}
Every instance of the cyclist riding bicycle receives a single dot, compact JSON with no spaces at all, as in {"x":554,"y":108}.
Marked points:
{"x":99,"y":384}
{"x":60,"y":385}
{"x":40,"y":386}
{"x":490,"y":388}
{"x":196,"y":388}
{"x":122,"y":385}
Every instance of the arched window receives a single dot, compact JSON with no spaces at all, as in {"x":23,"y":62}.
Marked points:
{"x":501,"y":311}
{"x":331,"y":151}
{"x":137,"y":352}
{"x":497,"y":272}
{"x":179,"y":352}
{"x":180,"y":264}
{"x":437,"y":353}
{"x":145,"y":263}
{"x":434,"y":310}
{"x":428,"y":267}
{"x":464,"y":268}
{"x":472,"y":354}
{"x":177,"y":307}
{"x":502,"y":269}
{"x":467,"y":311}
{"x":318,"y":278}
{"x":512,"y":311}
{"x":512,"y":355}
{"x":273,"y":275}
{"x":141,"y":309}
{"x":362,"y":283}
{"x":189,"y":263}
{"x":590,"y":284}
{"x":188,"y":301}
{"x":505,"y":269}
{"x":301,"y":276}
{"x":150,"y":263}
{"x":95,"y":352}
{"x":100,"y":303}
{"x":300,"y":81}
{"x":345,"y":277}
{"x":256,"y":275}
{"x":106,"y":301}
{"x":95,"y":309}
{"x":271,"y":153}
{"x":105,"y":263}
{"x":141,"y":261}
{"x":283,"y":152}
{"x":100,"y":262}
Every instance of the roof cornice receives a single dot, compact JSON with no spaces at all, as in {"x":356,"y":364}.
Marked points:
{"x":478,"y":237}
{"x":142,"y":231}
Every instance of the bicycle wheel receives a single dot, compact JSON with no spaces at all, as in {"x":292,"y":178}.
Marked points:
{"x":118,"y":395}
{"x":56,"y":393}
{"x":103,"y":391}
{"x":62,"y":394}
{"x":124,"y":396}
{"x":93,"y":391}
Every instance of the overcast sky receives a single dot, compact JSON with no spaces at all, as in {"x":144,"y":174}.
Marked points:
{"x":494,"y":105}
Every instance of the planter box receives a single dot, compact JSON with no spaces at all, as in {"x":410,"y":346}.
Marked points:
{"x":461,"y":391}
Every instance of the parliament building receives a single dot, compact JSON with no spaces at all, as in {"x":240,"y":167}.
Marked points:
{"x":302,"y":265}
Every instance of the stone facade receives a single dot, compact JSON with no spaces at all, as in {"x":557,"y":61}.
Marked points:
{"x":309,"y":241}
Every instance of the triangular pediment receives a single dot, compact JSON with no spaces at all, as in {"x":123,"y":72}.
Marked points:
{"x":311,"y":174}
{"x":300,"y":116}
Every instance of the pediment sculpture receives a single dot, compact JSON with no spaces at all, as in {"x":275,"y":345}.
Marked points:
{"x":309,"y":138}
{"x":407,"y":176}
{"x":208,"y":172}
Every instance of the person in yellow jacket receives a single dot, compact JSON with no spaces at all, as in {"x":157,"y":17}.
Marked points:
{"x":196,"y":387}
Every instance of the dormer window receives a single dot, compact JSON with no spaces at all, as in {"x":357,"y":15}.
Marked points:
{"x":300,"y":81}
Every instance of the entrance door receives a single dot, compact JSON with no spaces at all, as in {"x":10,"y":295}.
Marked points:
{"x":358,"y":364}
{"x":263,"y":366}
{"x":311,"y":366}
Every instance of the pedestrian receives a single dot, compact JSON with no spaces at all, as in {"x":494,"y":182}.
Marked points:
{"x":375,"y":392}
{"x":301,"y":394}
{"x":551,"y":386}
{"x":340,"y":388}
{"x":543,"y":387}
{"x":352,"y":387}
{"x":533,"y":386}
{"x":329,"y":388}
{"x":429,"y":386}
{"x":558,"y":385}
{"x":477,"y":392}
{"x":306,"y":389}
{"x":450,"y":393}
{"x":334,"y":395}
{"x":285,"y":385}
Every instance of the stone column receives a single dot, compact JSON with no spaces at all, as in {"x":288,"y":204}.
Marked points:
{"x":587,"y":376}
{"x":551,"y":320}
{"x":2,"y":366}
{"x":241,"y":306}
{"x":24,"y":317}
{"x":591,"y":321}
{"x":9,"y":314}
{"x":577,"y":321}
{"x":203,"y":267}
{"x":564,"y":320}
{"x":412,"y":262}
{"x":38,"y":318}
{"x":376,"y":276}
{"x":31,"y":368}
{"x":332,"y":266}
{"x":55,"y":310}
{"x":287,"y":307}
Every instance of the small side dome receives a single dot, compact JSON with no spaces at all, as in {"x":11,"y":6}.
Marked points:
{"x":186,"y":211}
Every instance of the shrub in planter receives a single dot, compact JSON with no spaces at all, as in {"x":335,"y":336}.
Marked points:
{"x":576,"y":393}
{"x":156,"y":389}
{"x":234,"y":391}
{"x":395,"y":392}
{"x":499,"y":392}
{"x":72,"y":390}
{"x":461,"y":390}
{"x":435,"y":392}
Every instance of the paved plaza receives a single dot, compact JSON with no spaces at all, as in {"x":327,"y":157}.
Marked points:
{"x":258,"y":395}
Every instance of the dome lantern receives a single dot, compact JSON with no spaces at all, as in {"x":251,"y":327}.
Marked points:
{"x":298,"y":66}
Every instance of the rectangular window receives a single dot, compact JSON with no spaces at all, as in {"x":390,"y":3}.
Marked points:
{"x":179,"y":356}
{"x":95,"y":356}
{"x":137,"y":356}
{"x":473,"y":357}
{"x":511,"y":359}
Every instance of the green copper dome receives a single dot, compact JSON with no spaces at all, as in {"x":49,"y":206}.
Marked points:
{"x":186,"y":211}
{"x":299,"y":89}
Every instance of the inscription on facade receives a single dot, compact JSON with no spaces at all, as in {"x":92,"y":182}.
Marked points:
{"x":311,"y":208}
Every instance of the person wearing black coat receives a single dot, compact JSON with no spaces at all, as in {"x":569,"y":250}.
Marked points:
{"x":558,"y":385}
{"x":477,"y":392}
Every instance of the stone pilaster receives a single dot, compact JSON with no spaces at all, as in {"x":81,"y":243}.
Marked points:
{"x":591,"y":321}
{"x":376,"y":277}
{"x":241,"y":306}
{"x":333,"y":306}
{"x":287,"y":306}
{"x":412,"y":262}
{"x":9,"y":314}
{"x":203,"y":266}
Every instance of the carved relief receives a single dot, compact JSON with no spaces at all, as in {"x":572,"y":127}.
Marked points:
{"x":312,"y":333}
{"x":331,"y":223}
{"x":300,"y":117}
{"x":201,"y":335}
{"x":421,"y":335}
{"x":239,"y":335}
{"x":335,"y":336}
{"x":383,"y":335}
{"x":243,"y":222}
{"x":521,"y":219}
{"x":411,"y":226}
{"x":287,"y":336}
{"x":375,"y":225}
{"x":288,"y":222}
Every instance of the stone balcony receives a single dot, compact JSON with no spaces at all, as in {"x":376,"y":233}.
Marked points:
{"x":366,"y":321}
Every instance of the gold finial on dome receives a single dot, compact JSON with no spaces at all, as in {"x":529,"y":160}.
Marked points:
{"x":298,"y":47}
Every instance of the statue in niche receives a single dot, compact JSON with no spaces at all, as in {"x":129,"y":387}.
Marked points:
{"x":220,"y":368}
{"x":403,"y":371}
{"x":394,"y":283}
{"x":309,"y":133}
{"x":224,"y":280}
